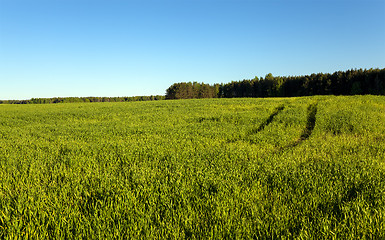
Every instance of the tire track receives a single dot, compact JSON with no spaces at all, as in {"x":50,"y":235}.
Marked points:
{"x":308,"y":130}
{"x":268,"y":120}
{"x":311,"y":119}
{"x":260,"y":127}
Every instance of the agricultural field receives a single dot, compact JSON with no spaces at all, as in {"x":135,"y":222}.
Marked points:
{"x":245,"y":168}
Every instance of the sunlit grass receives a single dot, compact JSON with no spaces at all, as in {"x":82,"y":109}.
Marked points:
{"x":194,"y":169}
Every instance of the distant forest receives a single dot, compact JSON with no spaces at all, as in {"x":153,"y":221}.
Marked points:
{"x":351,"y":82}
{"x":83,"y":99}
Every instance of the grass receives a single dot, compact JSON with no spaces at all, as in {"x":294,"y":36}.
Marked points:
{"x":194,"y":169}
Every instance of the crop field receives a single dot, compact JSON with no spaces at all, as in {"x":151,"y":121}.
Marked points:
{"x":244,"y":168}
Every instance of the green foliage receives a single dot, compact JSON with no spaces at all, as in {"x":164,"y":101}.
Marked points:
{"x":194,"y":169}
{"x":191,"y":90}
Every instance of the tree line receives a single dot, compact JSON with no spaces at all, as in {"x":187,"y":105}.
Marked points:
{"x":350,"y":82}
{"x":83,"y":99}
{"x":192,"y":90}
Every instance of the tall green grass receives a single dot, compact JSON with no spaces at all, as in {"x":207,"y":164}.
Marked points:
{"x":194,"y":169}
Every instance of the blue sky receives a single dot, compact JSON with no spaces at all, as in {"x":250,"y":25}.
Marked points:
{"x":61,"y":48}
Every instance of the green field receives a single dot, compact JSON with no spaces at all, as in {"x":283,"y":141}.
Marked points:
{"x":273,"y":168}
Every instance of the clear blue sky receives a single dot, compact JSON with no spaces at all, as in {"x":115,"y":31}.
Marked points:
{"x":60,"y":48}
